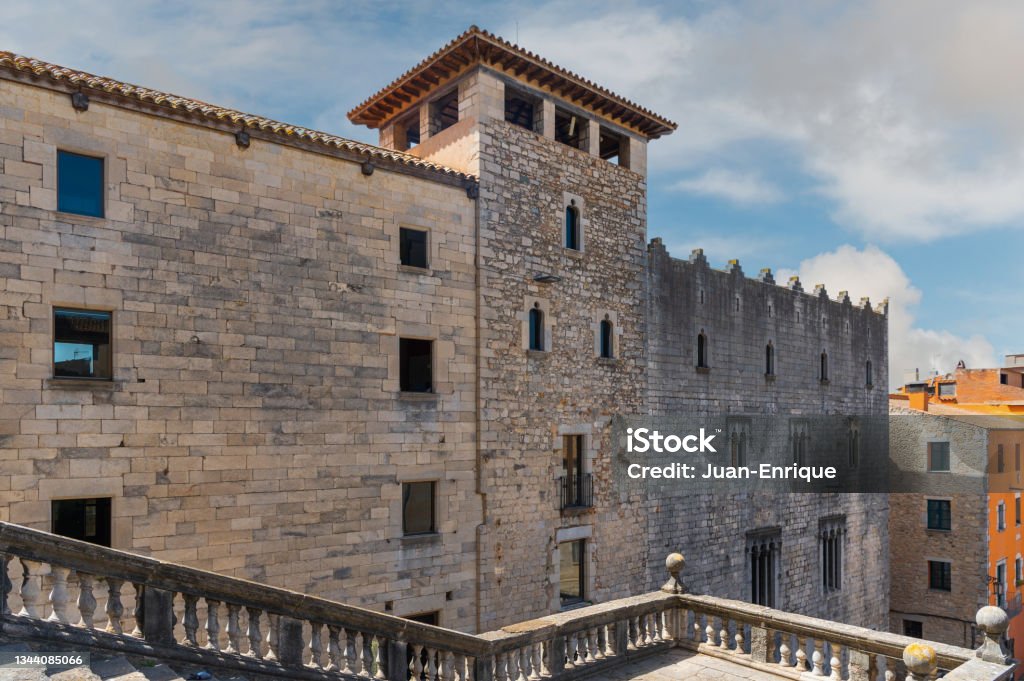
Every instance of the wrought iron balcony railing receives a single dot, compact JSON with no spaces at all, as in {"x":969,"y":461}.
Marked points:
{"x":576,"y":491}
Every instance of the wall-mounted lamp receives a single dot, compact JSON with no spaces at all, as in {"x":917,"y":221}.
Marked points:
{"x":367,"y":168}
{"x":79,"y":101}
{"x":546,"y":278}
{"x":242,"y":139}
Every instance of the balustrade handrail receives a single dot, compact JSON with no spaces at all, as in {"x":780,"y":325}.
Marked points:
{"x":861,"y":638}
{"x":103,"y":562}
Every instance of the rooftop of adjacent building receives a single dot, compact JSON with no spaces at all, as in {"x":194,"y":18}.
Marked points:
{"x":996,"y":390}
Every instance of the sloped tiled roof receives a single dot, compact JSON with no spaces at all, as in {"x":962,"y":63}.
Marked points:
{"x":477,"y":46}
{"x":38,"y":69}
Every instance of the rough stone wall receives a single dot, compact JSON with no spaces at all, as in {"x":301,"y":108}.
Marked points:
{"x":255,"y":425}
{"x":740,"y":316}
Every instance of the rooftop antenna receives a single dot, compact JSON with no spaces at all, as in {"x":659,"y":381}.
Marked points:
{"x":517,"y":33}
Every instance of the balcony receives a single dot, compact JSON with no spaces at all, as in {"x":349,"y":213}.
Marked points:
{"x":575,"y":491}
{"x":66,"y":595}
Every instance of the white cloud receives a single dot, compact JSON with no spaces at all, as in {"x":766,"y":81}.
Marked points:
{"x":741,"y":188}
{"x":872,"y":272}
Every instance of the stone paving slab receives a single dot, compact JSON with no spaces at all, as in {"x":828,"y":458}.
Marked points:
{"x":683,"y":665}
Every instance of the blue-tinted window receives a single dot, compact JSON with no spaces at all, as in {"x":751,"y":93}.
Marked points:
{"x":79,"y":184}
{"x":81,"y":344}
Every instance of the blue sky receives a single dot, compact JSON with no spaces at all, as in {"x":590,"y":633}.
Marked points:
{"x":876,"y":147}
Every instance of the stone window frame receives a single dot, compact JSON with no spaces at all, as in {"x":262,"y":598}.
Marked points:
{"x":54,"y":381}
{"x":836,"y":525}
{"x":799,"y":439}
{"x":928,"y":455}
{"x":442,"y":488}
{"x":1001,"y":516}
{"x":50,"y":490}
{"x":569,"y":534}
{"x":1001,"y":596}
{"x":576,"y":201}
{"x":115,"y":174}
{"x":443,"y":353}
{"x":769,"y":360}
{"x":393,"y":231}
{"x":948,"y":500}
{"x":947,"y":561}
{"x":1018,"y":569}
{"x":544,"y":305}
{"x":702,"y":351}
{"x":772,"y":537}
{"x":613,"y":317}
{"x":589,"y":450}
{"x":913,"y":619}
{"x":738,"y":435}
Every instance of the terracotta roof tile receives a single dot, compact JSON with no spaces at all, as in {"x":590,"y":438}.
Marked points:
{"x":194,"y":107}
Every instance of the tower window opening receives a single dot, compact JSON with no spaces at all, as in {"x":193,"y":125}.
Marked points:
{"x":569,"y":128}
{"x":444,"y":112}
{"x":521,"y":109}
{"x":614,"y":147}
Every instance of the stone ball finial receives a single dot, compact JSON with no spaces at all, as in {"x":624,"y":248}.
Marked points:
{"x":920,"y":659}
{"x":992,"y":620}
{"x":674,"y":563}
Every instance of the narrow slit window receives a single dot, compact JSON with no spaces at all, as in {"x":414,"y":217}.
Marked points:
{"x":572,"y":572}
{"x":536,"y":328}
{"x":572,"y":226}
{"x":702,"y":351}
{"x":607,"y":351}
{"x":869,"y":378}
{"x":824,"y":367}
{"x":769,"y":360}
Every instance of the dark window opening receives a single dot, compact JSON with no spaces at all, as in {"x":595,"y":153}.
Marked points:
{"x":830,"y":540}
{"x":799,"y":437}
{"x":407,"y":132}
{"x":577,"y":490}
{"x":418,"y":508}
{"x":913,"y":629}
{"x":1016,"y":510}
{"x":853,"y":446}
{"x":614,"y":148}
{"x":83,"y":519}
{"x":769,"y":360}
{"x":572,"y":226}
{"x":947,"y":389}
{"x":572,"y":572}
{"x":938,"y":457}
{"x":1004,"y":379}
{"x":569,"y":128}
{"x":702,"y":351}
{"x":763,"y":552}
{"x":1000,"y":459}
{"x":824,"y":366}
{"x":425,"y":618}
{"x":81,"y":344}
{"x":940,"y":575}
{"x":940,"y":514}
{"x":416,"y":373}
{"x":521,"y":109}
{"x":869,"y":378}
{"x":444,"y":112}
{"x":738,"y":449}
{"x":79,"y":184}
{"x":607,"y":349}
{"x":412,"y":247}
{"x":536,"y":328}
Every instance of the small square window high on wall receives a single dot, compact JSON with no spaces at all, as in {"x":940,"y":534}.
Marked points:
{"x":79,"y":184}
{"x":81,"y":344}
{"x":412,"y":247}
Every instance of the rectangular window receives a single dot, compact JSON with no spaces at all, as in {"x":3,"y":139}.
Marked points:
{"x":1016,"y":510}
{"x":763,"y":553}
{"x":613,"y":147}
{"x":940,"y":575}
{"x":576,"y":487}
{"x":938,"y":457}
{"x":412,"y":247}
{"x":415,"y":359}
{"x":939,"y":514}
{"x":444,"y":112}
{"x":418,"y":508}
{"x":1018,"y":571}
{"x":1001,"y":517}
{"x":571,"y":571}
{"x":1000,"y":462}
{"x":83,"y":519}
{"x":913,"y":629}
{"x":79,"y":184}
{"x":1016,"y":456}
{"x":1000,"y":584}
{"x":947,"y":389}
{"x":81,"y":344}
{"x":433,"y":618}
{"x":830,"y":542}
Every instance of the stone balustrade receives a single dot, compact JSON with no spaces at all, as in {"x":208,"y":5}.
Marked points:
{"x":69,"y":592}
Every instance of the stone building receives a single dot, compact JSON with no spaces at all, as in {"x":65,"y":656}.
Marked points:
{"x":388,"y":374}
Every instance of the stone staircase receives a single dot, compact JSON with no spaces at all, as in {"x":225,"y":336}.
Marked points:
{"x":110,"y":668}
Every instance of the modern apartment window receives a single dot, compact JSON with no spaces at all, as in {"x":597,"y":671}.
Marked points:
{"x":79,"y":184}
{"x":913,"y":629}
{"x":607,"y":339}
{"x":769,"y":360}
{"x":572,"y":572}
{"x":83,"y":519}
{"x":576,"y":489}
{"x":763,"y":554}
{"x":830,"y":543}
{"x":938,"y":457}
{"x":536,"y":328}
{"x":81,"y":344}
{"x":824,"y":367}
{"x":1000,"y":517}
{"x":1000,"y":462}
{"x":572,"y":226}
{"x":940,"y":575}
{"x":415,"y":359}
{"x":869,"y":377}
{"x":418,"y":515}
{"x":412,"y":247}
{"x":702,"y":350}
{"x":940,"y":516}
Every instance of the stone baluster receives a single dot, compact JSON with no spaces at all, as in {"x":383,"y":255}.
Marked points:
{"x":382,"y":646}
{"x":114,"y":608}
{"x":59,"y":594}
{"x":784,"y":659}
{"x":595,"y":645}
{"x":416,"y":665}
{"x":273,"y":636}
{"x":709,"y":631}
{"x":525,"y":663}
{"x":739,"y":638}
{"x":921,"y":661}
{"x":447,"y":666}
{"x":333,"y":649}
{"x":252,"y":617}
{"x":368,"y":656}
{"x":536,"y":664}
{"x":698,"y":630}
{"x":835,"y":662}
{"x":724,"y":634}
{"x":347,"y":657}
{"x":6,"y":585}
{"x":86,"y":600}
{"x":570,"y":650}
{"x":668,"y":630}
{"x":609,"y":636}
{"x":190,"y":621}
{"x":33,"y":601}
{"x":316,"y":649}
{"x":801,"y":654}
{"x":501,"y":667}
{"x":138,"y":611}
{"x":583,"y":647}
{"x":512,"y":661}
{"x":818,"y":658}
{"x":460,"y":667}
{"x":358,"y":667}
{"x":212,"y":625}
{"x":233,"y":630}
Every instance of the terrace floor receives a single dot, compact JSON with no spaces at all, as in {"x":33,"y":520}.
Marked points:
{"x":682,"y":665}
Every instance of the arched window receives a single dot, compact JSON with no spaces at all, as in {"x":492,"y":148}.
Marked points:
{"x":607,"y":351}
{"x":702,"y":351}
{"x":869,"y":379}
{"x":824,"y":366}
{"x":572,"y":226}
{"x":769,"y":360}
{"x":536,"y":328}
